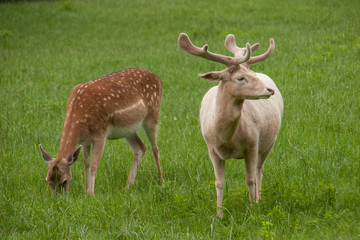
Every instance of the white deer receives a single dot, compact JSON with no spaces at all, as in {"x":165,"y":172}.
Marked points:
{"x":232,"y":123}
{"x":111,"y":107}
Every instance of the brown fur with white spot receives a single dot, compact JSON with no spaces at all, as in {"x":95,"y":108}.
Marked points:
{"x":111,"y":107}
{"x":232,"y":124}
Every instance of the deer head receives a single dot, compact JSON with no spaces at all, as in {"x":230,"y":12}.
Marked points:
{"x":59,"y":174}
{"x":237,"y":79}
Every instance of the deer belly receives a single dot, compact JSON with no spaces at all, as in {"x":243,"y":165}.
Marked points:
{"x":114,"y":132}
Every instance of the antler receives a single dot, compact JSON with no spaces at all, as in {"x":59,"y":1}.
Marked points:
{"x":185,"y":44}
{"x":230,"y":44}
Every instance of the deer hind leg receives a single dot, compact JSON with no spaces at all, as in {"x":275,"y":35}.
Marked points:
{"x":138,"y":149}
{"x":259,"y":171}
{"x":251,"y":161}
{"x":150,"y":127}
{"x":98,"y":148}
{"x":87,"y":163}
{"x":219,"y":170}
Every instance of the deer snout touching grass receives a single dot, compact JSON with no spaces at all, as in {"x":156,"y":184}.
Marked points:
{"x":232,"y":124}
{"x":111,"y":107}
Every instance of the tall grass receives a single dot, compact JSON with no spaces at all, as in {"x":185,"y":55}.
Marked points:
{"x":311,"y":180}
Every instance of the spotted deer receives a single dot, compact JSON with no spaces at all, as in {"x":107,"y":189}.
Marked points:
{"x":232,"y":124}
{"x":111,"y":107}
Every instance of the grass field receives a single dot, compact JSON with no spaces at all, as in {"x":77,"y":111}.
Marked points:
{"x":312,"y":177}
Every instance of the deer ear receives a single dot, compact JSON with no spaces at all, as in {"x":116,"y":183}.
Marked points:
{"x":45,"y":155}
{"x":212,"y":76}
{"x":73,"y":157}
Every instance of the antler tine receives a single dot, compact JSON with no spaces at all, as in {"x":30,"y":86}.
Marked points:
{"x":230,"y":44}
{"x":264,"y":55}
{"x":185,"y":44}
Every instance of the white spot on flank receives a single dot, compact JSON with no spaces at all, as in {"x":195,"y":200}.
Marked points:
{"x":120,"y":111}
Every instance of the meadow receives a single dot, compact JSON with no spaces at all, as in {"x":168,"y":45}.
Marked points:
{"x":311,"y":183}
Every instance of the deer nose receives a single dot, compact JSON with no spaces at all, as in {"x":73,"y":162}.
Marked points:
{"x":272,"y":92}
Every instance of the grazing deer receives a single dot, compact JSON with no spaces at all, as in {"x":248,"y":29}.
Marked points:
{"x":231,"y":124}
{"x":111,"y":107}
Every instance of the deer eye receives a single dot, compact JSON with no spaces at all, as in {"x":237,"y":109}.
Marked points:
{"x":240,"y":79}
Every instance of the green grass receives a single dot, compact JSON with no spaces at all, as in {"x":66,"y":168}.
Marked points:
{"x":311,"y":180}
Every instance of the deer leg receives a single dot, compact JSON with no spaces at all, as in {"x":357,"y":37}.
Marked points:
{"x":259,"y":172}
{"x":87,"y":162}
{"x":98,"y":148}
{"x":151,"y":129}
{"x":250,"y":174}
{"x":138,"y":148}
{"x":219,"y":170}
{"x":260,"y":168}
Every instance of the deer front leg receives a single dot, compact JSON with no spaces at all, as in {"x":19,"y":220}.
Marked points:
{"x":98,"y":148}
{"x":251,"y":174}
{"x":87,"y":162}
{"x":219,"y":170}
{"x":138,"y":148}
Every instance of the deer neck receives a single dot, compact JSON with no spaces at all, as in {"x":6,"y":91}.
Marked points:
{"x":69,"y":139}
{"x":228,"y":113}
